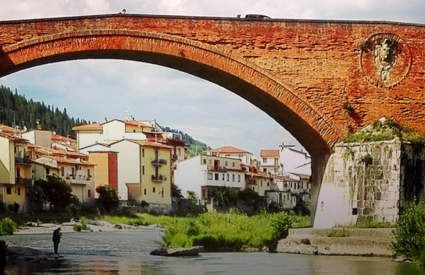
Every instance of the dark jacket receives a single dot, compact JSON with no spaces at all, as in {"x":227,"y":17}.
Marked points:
{"x":56,"y":236}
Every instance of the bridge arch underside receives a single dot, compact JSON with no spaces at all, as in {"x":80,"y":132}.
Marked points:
{"x":317,"y":134}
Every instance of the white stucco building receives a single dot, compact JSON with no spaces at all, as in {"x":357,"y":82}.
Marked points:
{"x":204,"y":173}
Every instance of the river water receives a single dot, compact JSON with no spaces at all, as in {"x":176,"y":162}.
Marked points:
{"x":128,"y":253}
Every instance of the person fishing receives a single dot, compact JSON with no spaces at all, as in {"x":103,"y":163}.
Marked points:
{"x":56,"y":239}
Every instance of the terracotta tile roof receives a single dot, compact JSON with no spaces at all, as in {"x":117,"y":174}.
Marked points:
{"x":229,"y":150}
{"x":5,"y":128}
{"x":152,"y":144}
{"x":93,"y":126}
{"x":302,"y":176}
{"x":62,"y":138}
{"x":137,"y":123}
{"x":269,"y":153}
{"x":98,"y":126}
{"x":260,"y":174}
{"x":12,"y":137}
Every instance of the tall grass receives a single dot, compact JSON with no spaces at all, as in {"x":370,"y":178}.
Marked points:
{"x":230,"y":231}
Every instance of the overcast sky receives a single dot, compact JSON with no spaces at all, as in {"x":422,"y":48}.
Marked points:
{"x":97,"y":89}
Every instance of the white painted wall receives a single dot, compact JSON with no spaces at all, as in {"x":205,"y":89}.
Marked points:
{"x":113,"y":131}
{"x":86,"y":138}
{"x":291,"y":160}
{"x":190,"y":175}
{"x":128,"y":165}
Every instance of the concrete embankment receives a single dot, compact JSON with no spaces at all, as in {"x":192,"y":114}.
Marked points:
{"x":359,"y":242}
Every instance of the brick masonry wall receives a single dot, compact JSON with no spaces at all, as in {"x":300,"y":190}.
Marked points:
{"x":299,"y":72}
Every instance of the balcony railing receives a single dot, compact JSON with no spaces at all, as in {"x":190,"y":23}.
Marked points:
{"x":252,"y":181}
{"x":159,"y":162}
{"x":158,"y":178}
{"x":217,"y":168}
{"x":22,"y":160}
{"x":23,"y":181}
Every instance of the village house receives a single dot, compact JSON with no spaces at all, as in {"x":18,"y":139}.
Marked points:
{"x":113,"y":130}
{"x":232,"y":152}
{"x":205,"y":173}
{"x":15,"y":168}
{"x":270,"y":161}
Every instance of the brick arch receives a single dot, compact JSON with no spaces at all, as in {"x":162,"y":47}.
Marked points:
{"x":312,"y":128}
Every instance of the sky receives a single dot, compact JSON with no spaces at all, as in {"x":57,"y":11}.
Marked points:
{"x":95,"y":89}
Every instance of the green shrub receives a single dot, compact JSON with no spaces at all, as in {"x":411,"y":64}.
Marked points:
{"x":409,"y":235}
{"x":117,"y":226}
{"x":11,"y":207}
{"x":7,"y":227}
{"x":335,"y":233}
{"x":77,"y":227}
{"x":280,"y":224}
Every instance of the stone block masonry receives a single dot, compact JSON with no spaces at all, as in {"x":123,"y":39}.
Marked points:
{"x":366,"y":182}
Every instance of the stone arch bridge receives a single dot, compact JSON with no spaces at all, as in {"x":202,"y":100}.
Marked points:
{"x":318,"y":79}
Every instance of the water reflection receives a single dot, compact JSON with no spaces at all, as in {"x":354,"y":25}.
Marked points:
{"x":128,"y":253}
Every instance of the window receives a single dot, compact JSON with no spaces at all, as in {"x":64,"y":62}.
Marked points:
{"x":162,"y":192}
{"x":62,"y":171}
{"x":253,"y":188}
{"x":205,"y":161}
{"x":9,"y":190}
{"x":143,"y":170}
{"x":143,"y":152}
{"x":228,"y":177}
{"x":354,"y":211}
{"x":88,"y":173}
{"x":241,"y":156}
{"x":239,"y":178}
{"x":233,"y":177}
{"x":216,"y":176}
{"x":19,"y":191}
{"x":72,"y":173}
{"x":226,"y":163}
{"x":144,"y":191}
{"x":179,"y":151}
{"x":265,"y":160}
{"x":233,"y":164}
{"x":268,"y":184}
{"x":210,"y":176}
{"x":204,"y":192}
{"x":223,"y":177}
{"x":261,"y":183}
{"x":89,"y":193}
{"x":209,"y":162}
{"x":153,"y":190}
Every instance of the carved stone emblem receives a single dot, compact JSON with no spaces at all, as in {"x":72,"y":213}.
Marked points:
{"x":385,"y":59}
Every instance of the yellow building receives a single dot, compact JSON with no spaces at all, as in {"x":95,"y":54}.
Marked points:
{"x":15,"y":169}
{"x":154,"y":186}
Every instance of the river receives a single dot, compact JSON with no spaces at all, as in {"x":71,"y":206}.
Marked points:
{"x":128,"y":253}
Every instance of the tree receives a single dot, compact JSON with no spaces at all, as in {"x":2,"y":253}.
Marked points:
{"x":176,"y":192}
{"x":108,"y":197}
{"x":249,"y":196}
{"x":56,"y":192}
{"x":191,"y":195}
{"x":225,"y":196}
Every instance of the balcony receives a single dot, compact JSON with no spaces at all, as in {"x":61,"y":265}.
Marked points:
{"x":252,"y":181}
{"x":158,"y":178}
{"x":23,"y":181}
{"x":217,"y":168}
{"x":22,"y":160}
{"x":159,"y":162}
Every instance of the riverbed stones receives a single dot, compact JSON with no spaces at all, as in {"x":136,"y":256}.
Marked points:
{"x":177,"y":252}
